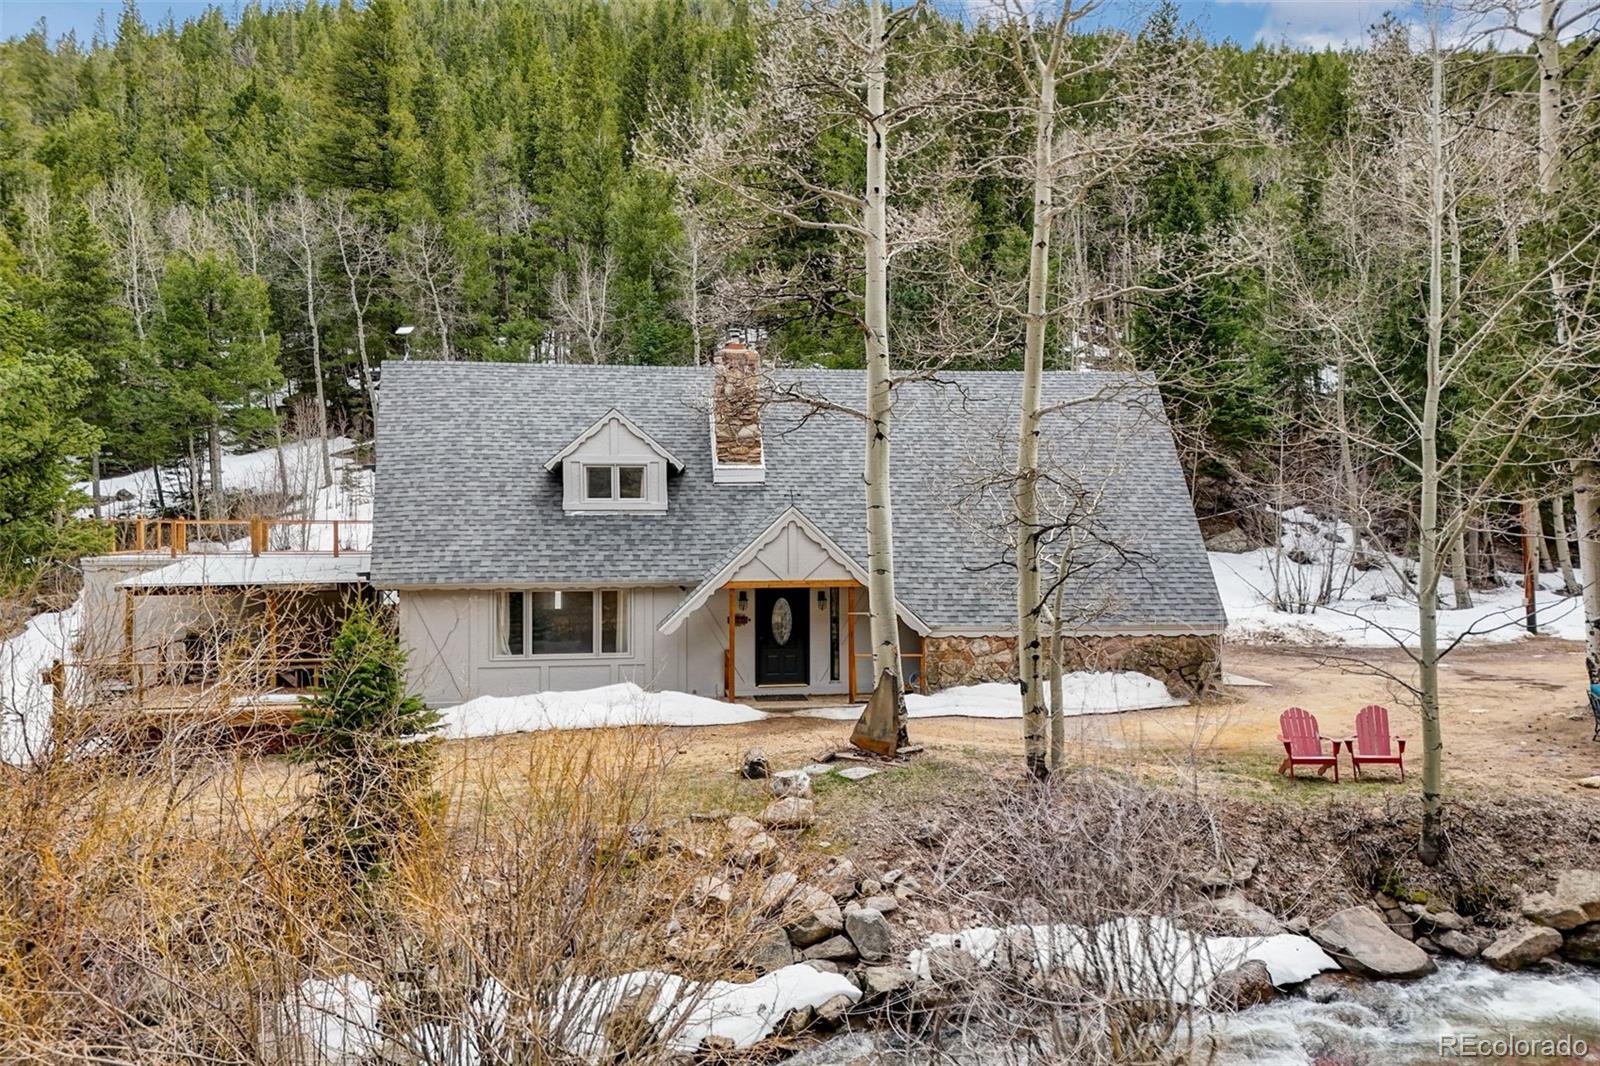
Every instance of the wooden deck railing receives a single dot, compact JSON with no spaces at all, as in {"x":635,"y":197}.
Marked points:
{"x":154,"y":671}
{"x":241,"y":536}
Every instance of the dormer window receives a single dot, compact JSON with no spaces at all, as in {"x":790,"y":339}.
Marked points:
{"x":613,"y":467}
{"x":613,"y":482}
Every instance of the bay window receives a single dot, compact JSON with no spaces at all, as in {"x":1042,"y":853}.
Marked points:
{"x":562,"y":622}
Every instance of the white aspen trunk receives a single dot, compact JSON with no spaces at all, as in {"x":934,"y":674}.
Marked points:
{"x":308,"y":264}
{"x":1558,"y":516}
{"x":884,"y":624}
{"x":1461,"y":587}
{"x":1586,"y":504}
{"x":1347,"y":468}
{"x":1029,"y":604}
{"x":359,"y":310}
{"x":694,"y":298}
{"x":1540,"y":542}
{"x":194,"y":479}
{"x":94,"y":480}
{"x":1586,"y":474}
{"x":1432,"y":844}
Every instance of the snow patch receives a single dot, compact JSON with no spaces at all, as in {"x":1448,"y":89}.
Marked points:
{"x":1150,"y":954}
{"x":627,"y":704}
{"x":24,"y":694}
{"x":337,"y":1020}
{"x":1370,"y":608}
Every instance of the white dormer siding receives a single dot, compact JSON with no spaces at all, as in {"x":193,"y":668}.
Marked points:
{"x":614,"y":467}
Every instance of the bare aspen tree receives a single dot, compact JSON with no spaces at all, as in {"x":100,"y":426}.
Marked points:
{"x":299,"y":233}
{"x":432,"y":277}
{"x":1392,"y":199}
{"x":124,"y":213}
{"x":1159,"y":108}
{"x":363,"y":258}
{"x":826,"y":67}
{"x":1558,"y":523}
{"x":701,"y":257}
{"x":247,"y":224}
{"x":1559,"y":21}
{"x":582,"y":304}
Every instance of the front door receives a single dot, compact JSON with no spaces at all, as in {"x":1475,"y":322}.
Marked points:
{"x":782,"y":637}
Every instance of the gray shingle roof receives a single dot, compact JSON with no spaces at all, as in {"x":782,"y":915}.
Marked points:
{"x":463,"y":498}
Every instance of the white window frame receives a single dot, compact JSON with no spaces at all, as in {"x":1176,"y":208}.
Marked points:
{"x":616,"y":496}
{"x":624,"y":631}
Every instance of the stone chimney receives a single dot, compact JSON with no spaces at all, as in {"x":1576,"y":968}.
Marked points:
{"x":736,"y":414}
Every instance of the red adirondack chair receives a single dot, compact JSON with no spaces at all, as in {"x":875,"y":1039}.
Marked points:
{"x":1302,"y":743}
{"x":1373,"y":743}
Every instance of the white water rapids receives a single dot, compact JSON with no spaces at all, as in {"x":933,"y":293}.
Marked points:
{"x":1394,"y":1022}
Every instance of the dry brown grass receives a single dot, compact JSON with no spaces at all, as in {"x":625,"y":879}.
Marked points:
{"x":161,"y":907}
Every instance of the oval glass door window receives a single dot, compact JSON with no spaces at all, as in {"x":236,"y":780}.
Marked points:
{"x":782,"y":621}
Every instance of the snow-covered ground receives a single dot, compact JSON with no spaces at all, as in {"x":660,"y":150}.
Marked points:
{"x":1369,"y":608}
{"x":256,"y":471}
{"x":24,"y":694}
{"x":629,"y":705}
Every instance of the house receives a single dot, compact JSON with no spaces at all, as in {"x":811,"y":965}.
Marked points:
{"x":565,"y":527}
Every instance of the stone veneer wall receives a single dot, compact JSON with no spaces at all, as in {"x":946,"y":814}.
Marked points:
{"x":1188,"y":665}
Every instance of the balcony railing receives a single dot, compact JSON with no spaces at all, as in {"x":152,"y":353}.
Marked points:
{"x":241,"y":536}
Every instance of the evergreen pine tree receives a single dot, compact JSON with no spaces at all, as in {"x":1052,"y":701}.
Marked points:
{"x":41,"y":438}
{"x":365,"y":737}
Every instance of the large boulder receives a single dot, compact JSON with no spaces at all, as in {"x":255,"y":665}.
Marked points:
{"x":1522,"y":946}
{"x":869,"y":931}
{"x":1573,"y":902}
{"x":1583,"y":945}
{"x":1361,"y":941}
{"x":1247,"y":985}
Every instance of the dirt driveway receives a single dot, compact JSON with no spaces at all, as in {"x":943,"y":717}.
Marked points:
{"x":1514,"y":717}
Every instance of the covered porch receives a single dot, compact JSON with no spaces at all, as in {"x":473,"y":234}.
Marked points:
{"x":212,"y":629}
{"x":791,"y":610}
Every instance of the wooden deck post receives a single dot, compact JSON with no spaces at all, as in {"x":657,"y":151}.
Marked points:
{"x":733,"y":637}
{"x":336,"y":538}
{"x":850,"y":638}
{"x":138,"y":535}
{"x":180,"y":536}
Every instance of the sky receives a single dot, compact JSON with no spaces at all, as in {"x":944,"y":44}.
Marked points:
{"x":1302,"y":23}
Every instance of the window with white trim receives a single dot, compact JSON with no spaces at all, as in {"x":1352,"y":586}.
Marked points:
{"x":613,"y":482}
{"x":536,"y":622}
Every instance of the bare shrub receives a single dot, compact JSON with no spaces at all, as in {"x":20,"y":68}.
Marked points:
{"x":1082,"y":897}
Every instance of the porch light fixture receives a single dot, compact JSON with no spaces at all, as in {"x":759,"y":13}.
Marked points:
{"x":822,"y":597}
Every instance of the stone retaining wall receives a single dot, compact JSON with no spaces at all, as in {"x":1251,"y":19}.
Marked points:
{"x":1188,"y":665}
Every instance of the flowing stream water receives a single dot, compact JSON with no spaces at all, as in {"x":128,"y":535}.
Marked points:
{"x":1383,"y":1022}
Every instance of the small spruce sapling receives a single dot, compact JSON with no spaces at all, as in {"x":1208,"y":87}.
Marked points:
{"x":368,"y":742}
